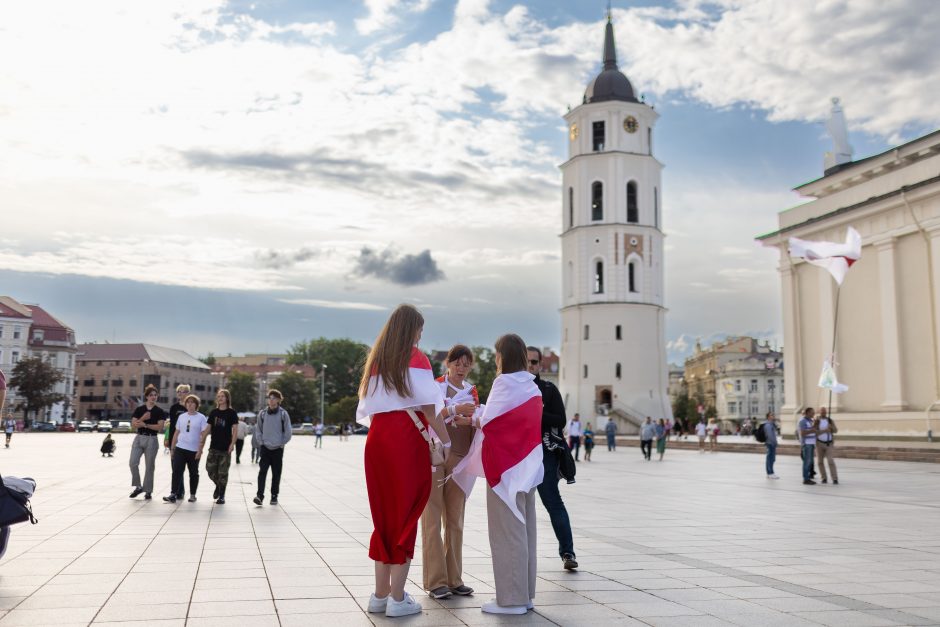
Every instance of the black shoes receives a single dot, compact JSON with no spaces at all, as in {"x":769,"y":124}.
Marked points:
{"x":169,"y":499}
{"x":147,"y":496}
{"x":137,"y":492}
{"x":809,"y":482}
{"x":835,"y":482}
{"x":570,"y":562}
{"x":825,"y":481}
{"x":220,"y":501}
{"x":273,"y":500}
{"x":462,"y":590}
{"x":258,"y":500}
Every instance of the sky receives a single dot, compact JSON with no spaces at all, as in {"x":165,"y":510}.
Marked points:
{"x":232,"y":176}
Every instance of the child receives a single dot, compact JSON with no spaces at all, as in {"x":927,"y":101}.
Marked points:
{"x":588,"y":442}
{"x":108,"y":446}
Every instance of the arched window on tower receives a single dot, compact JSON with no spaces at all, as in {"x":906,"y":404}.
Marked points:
{"x":585,"y":371}
{"x":618,"y":332}
{"x":617,"y":370}
{"x":597,"y":201}
{"x":649,"y":139}
{"x":599,"y":277}
{"x":570,"y":207}
{"x":631,"y":277}
{"x":656,"y":207}
{"x":633,"y":211}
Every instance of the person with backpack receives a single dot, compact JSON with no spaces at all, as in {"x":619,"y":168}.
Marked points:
{"x":272,"y":433}
{"x":766,"y":434}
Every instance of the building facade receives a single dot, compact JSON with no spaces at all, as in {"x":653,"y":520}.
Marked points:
{"x":15,"y":319}
{"x":886,"y":340}
{"x":613,"y":356}
{"x":110,"y":378}
{"x":749,"y":388}
{"x":705,"y":365}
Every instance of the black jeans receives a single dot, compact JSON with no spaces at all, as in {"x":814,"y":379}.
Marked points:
{"x":646,"y":446}
{"x":184,"y":459}
{"x":574,"y":443}
{"x":239,"y":445}
{"x":551,"y":499}
{"x":273,"y":458}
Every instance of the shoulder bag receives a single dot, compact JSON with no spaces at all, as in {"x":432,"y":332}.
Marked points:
{"x":435,"y":448}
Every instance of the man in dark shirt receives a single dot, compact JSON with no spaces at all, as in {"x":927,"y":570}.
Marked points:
{"x":148,"y":419}
{"x":223,"y":422}
{"x":553,"y":420}
{"x":176,"y":409}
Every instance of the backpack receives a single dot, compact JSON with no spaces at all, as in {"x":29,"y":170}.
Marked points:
{"x":760,"y":435}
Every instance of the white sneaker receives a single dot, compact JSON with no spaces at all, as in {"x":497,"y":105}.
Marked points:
{"x":772,"y":477}
{"x":377,"y":604}
{"x":402,"y":608}
{"x":492,"y":607}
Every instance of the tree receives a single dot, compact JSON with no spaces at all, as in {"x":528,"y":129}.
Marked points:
{"x":343,"y":410}
{"x":344,"y":359}
{"x":35,"y":381}
{"x":301,"y":396}
{"x":243,"y":389}
{"x":484,"y":370}
{"x":208,"y":360}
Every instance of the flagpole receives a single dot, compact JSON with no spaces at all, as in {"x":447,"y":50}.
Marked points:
{"x":835,"y":327}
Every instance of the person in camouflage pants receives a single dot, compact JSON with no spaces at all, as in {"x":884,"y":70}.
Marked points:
{"x":223,"y":422}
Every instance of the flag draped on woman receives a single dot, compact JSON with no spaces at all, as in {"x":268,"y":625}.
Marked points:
{"x":507,"y":449}
{"x":424,"y":391}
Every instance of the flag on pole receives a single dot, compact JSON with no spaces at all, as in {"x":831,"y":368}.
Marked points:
{"x":834,"y":257}
{"x":507,"y":449}
{"x":424,"y":391}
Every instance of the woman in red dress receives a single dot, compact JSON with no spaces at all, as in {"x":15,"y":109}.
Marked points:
{"x":398,"y":396}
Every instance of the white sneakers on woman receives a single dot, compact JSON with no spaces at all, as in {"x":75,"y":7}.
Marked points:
{"x":393,"y":608}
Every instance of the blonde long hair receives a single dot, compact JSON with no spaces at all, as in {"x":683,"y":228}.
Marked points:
{"x":391,"y":352}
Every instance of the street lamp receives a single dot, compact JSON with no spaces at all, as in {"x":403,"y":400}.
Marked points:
{"x":322,"y":391}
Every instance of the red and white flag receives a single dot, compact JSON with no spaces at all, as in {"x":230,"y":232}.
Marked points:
{"x":507,"y":450}
{"x":834,"y":257}
{"x":424,"y":391}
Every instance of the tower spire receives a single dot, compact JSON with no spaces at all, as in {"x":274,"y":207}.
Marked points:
{"x":610,"y":51}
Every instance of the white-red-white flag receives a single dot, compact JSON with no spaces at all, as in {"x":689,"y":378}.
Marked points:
{"x":507,"y":449}
{"x":424,"y":391}
{"x":834,"y":257}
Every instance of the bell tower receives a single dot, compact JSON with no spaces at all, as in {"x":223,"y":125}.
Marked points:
{"x":613,"y":355}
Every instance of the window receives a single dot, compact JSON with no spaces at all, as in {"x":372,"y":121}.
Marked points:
{"x":649,"y":139}
{"x":737,"y":385}
{"x":132,"y":383}
{"x":117,"y":383}
{"x":587,"y":331}
{"x":585,"y":371}
{"x":89,"y":383}
{"x":38,"y":335}
{"x":570,"y":207}
{"x":617,"y":332}
{"x":598,"y":136}
{"x":631,"y":277}
{"x":16,"y":333}
{"x":617,"y":370}
{"x":656,"y":207}
{"x":771,"y":385}
{"x":753,"y":386}
{"x":732,"y":408}
{"x":633,"y":212}
{"x":1,"y":331}
{"x":755,"y":407}
{"x":597,"y":201}
{"x":599,"y":277}
{"x":14,"y":357}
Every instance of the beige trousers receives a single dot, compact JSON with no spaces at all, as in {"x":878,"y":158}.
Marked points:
{"x":824,"y":452}
{"x":513,"y":547}
{"x":442,"y":559}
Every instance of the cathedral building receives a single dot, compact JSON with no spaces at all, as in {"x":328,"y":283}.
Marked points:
{"x":613,"y":357}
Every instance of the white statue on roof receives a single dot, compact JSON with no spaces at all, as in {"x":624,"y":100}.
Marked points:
{"x":841,"y":149}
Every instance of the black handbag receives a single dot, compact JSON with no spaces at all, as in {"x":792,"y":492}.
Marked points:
{"x":558,"y":446}
{"x":14,"y":507}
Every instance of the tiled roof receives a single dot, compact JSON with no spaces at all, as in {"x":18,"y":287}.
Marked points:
{"x":138,"y":352}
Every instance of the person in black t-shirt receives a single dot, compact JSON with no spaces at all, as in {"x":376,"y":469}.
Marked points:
{"x":148,"y":419}
{"x":176,"y":409}
{"x":223,"y":422}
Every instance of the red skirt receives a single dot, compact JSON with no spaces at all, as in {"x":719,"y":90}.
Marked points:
{"x":398,"y":478}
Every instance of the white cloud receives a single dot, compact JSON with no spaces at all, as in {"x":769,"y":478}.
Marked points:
{"x":333,"y":304}
{"x":384,"y":13}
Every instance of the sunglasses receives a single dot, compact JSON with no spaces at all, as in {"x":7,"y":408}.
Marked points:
{"x":534,"y":362}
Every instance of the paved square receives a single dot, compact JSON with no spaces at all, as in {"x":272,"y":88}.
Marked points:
{"x":699,"y":539}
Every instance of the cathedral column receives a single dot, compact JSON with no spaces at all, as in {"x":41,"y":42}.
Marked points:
{"x":792,"y":372}
{"x":890,"y":332}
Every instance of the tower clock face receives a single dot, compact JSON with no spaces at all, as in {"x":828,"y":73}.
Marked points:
{"x":630,"y":124}
{"x":573,"y":132}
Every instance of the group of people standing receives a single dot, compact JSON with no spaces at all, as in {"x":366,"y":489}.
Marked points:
{"x":654,"y":431}
{"x":185,"y":431}
{"x":816,"y":434}
{"x":429,"y":439}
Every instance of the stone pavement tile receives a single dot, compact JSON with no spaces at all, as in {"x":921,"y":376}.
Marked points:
{"x":102,"y":579}
{"x":910,"y":587}
{"x":48,"y":601}
{"x":895,"y":601}
{"x":260,"y":593}
{"x":845,"y":618}
{"x":585,"y":614}
{"x":654,"y":608}
{"x":167,"y":571}
{"x":681,"y":595}
{"x":476,"y":617}
{"x":61,"y":616}
{"x":121,"y":611}
{"x":137,"y":583}
{"x":590,"y":584}
{"x":619,"y":596}
{"x":926,"y":612}
{"x":769,"y":618}
{"x":213,"y":572}
{"x":253,"y":620}
{"x":231,"y":608}
{"x":8,"y":603}
{"x":428,"y":618}
{"x":848,"y":589}
{"x":756,"y":592}
{"x":344,"y":619}
{"x":314,"y":606}
{"x":686,"y":621}
{"x":309,"y":592}
{"x":666,"y":583}
{"x":904,"y":617}
{"x":166,"y":622}
{"x":798,"y":604}
{"x":560,"y":598}
{"x":231,"y":584}
{"x":96,"y":565}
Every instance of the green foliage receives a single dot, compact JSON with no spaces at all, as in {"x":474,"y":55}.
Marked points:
{"x":244,"y":391}
{"x":484,"y":370}
{"x":682,"y":407}
{"x":35,"y":381}
{"x":208,"y":360}
{"x":344,"y":359}
{"x":301,"y":397}
{"x":342,"y":411}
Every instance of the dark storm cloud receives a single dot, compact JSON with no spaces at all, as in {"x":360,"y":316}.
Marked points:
{"x":399,"y":269}
{"x":278,"y":259}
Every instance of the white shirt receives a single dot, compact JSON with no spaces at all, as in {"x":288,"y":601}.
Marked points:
{"x":242,"y":430}
{"x":190,"y":428}
{"x":700,"y":429}
{"x":574,"y":429}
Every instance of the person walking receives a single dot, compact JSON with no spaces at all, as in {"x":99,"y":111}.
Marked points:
{"x":807,"y":430}
{"x":574,"y":436}
{"x":610,"y":429}
{"x":701,"y":431}
{"x":825,"y":430}
{"x":553,"y":421}
{"x":176,"y":409}
{"x":662,"y":434}
{"x":442,"y":558}
{"x":241,"y":432}
{"x":647,"y":434}
{"x":588,"y":442}
{"x":223,"y":424}
{"x":272,"y":433}
{"x":9,"y":426}
{"x":107,"y":446}
{"x":398,"y":400}
{"x":148,"y":419}
{"x":713,"y":431}
{"x":318,"y":431}
{"x":189,"y":439}
{"x":769,"y":430}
